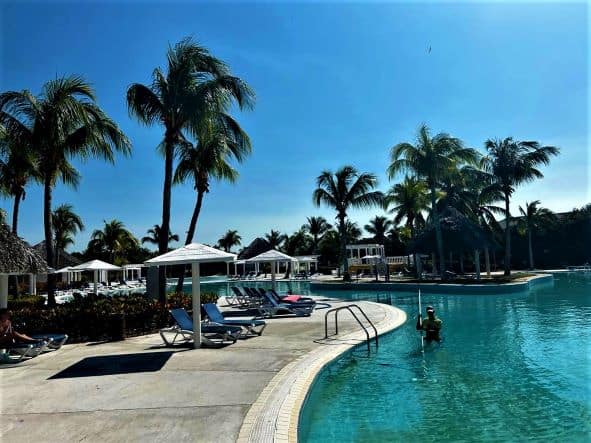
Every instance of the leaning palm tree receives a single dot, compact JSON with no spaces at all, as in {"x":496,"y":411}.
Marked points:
{"x":316,"y":227}
{"x":180,"y":100}
{"x":66,"y":223}
{"x":275,"y":239}
{"x":431,"y":159}
{"x":62,"y":123}
{"x":114,"y":240}
{"x":408,"y":200}
{"x":378,"y":228}
{"x":18,"y":167}
{"x":343,"y":190}
{"x":534,"y":219}
{"x":154,"y":233}
{"x":512,"y":163}
{"x":229,"y":240}
{"x":210,"y":159}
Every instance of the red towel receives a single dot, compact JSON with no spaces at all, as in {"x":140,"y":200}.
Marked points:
{"x":292,"y":298}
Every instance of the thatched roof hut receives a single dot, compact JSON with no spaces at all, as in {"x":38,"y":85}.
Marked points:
{"x":16,"y":256}
{"x":256,"y":247}
{"x":459,"y":233}
{"x":65,"y":259}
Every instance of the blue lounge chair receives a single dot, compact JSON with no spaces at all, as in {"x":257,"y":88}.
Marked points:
{"x":303,"y":301}
{"x":271,"y":308}
{"x":250,"y":324}
{"x":211,"y":335}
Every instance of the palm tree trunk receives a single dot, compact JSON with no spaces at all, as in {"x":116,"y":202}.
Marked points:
{"x":17,"y":202}
{"x":462,"y":262}
{"x":531,"y":252}
{"x":438,"y":234}
{"x":477,"y":263}
{"x":190,"y":234}
{"x":48,"y":241}
{"x":342,"y":228}
{"x":487,"y":261}
{"x":507,"y":264}
{"x":165,"y":226}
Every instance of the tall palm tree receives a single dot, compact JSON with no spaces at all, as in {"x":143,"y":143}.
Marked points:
{"x":316,"y":227}
{"x":114,"y":239}
{"x":66,"y":223}
{"x":154,"y":233}
{"x":431,"y":159}
{"x":180,"y":100}
{"x":62,"y":123}
{"x":408,"y":200}
{"x":18,"y":167}
{"x":229,"y":240}
{"x":512,"y":163}
{"x":343,"y":190}
{"x":378,"y":227}
{"x":210,"y":158}
{"x":275,"y":239}
{"x":534,"y":219}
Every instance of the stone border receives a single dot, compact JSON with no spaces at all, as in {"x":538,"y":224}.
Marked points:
{"x":274,"y":416}
{"x":441,"y":288}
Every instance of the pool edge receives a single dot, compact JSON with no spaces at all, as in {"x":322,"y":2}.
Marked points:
{"x":307,"y":368}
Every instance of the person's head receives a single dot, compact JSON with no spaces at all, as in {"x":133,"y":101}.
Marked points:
{"x":430,"y":311}
{"x":4,"y":315}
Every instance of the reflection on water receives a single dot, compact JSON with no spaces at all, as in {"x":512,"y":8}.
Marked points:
{"x":511,"y":367}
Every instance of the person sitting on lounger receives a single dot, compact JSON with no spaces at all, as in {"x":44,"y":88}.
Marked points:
{"x":8,"y":336}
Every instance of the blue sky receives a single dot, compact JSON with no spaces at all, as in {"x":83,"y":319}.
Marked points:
{"x":336,"y":84}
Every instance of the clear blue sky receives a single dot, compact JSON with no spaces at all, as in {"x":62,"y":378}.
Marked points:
{"x":336,"y":84}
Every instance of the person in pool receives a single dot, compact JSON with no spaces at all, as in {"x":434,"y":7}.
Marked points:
{"x":432,"y":325}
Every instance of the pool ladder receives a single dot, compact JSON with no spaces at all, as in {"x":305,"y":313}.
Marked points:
{"x":364,"y":327}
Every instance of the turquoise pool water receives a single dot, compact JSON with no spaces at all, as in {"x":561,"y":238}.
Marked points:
{"x":511,"y":368}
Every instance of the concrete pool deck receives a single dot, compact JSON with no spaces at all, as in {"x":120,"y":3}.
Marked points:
{"x":138,"y":390}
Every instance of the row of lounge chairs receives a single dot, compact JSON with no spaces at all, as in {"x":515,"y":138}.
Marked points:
{"x":220,"y":328}
{"x":16,"y":352}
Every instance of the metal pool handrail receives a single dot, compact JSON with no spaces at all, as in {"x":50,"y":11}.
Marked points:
{"x":336,"y":323}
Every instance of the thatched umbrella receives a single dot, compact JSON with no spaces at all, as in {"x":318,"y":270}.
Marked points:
{"x":16,"y":257}
{"x":256,"y":247}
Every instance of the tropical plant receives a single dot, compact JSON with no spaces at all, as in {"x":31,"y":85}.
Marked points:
{"x":534,"y":219}
{"x":229,"y":240}
{"x":352,"y":230}
{"x":114,"y":240}
{"x":316,"y":227}
{"x":299,"y":243}
{"x":512,"y":163}
{"x":2,"y":216}
{"x":408,"y":200}
{"x":66,"y":223}
{"x":346,"y":189}
{"x":154,"y":233}
{"x":216,"y":146}
{"x":18,"y":167}
{"x":195,"y":87}
{"x":62,"y":123}
{"x":378,"y":227}
{"x":275,"y":239}
{"x":431,"y":159}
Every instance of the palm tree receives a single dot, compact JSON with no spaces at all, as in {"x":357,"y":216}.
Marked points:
{"x":316,"y":227}
{"x":431,"y":159}
{"x":17,"y":169}
{"x":154,"y":233}
{"x":66,"y":223}
{"x":353,"y":233}
{"x":210,"y":159}
{"x":409,"y":200}
{"x":275,"y":239}
{"x":2,"y":216}
{"x":343,"y":190}
{"x":114,"y":240}
{"x":229,"y":240}
{"x":378,"y":227}
{"x":195,"y":84}
{"x":512,"y":163}
{"x":534,"y":219}
{"x":62,"y":123}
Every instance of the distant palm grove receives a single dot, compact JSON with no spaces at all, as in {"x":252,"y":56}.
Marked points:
{"x":440,"y":186}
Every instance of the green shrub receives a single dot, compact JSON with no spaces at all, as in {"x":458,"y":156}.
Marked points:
{"x":25,"y":301}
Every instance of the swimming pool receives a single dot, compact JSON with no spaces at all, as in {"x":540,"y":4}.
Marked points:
{"x":511,"y":367}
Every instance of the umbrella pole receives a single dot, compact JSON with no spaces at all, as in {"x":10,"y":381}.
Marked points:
{"x":95,"y":281}
{"x":273,"y":275}
{"x":196,"y":305}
